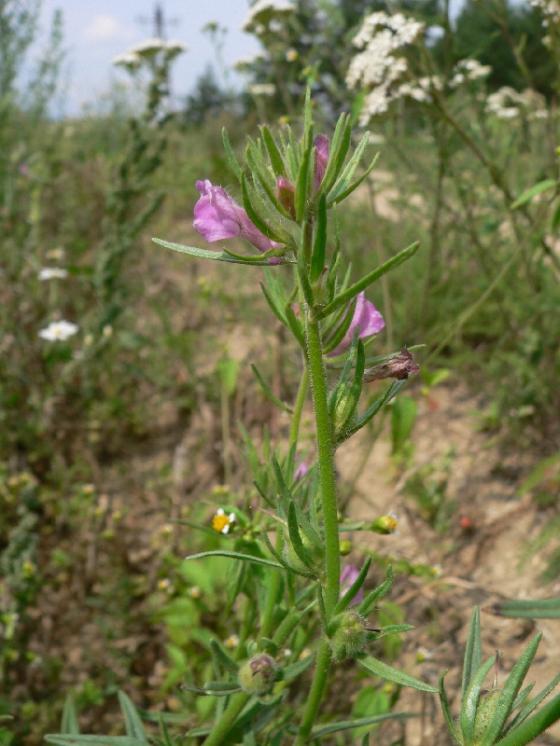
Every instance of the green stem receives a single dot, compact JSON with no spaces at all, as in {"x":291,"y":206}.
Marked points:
{"x":325,"y":457}
{"x":327,"y":484}
{"x":227,"y":720}
{"x":315,"y":694}
{"x":298,"y":409}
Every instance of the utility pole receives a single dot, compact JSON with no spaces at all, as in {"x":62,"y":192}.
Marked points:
{"x":160,"y":23}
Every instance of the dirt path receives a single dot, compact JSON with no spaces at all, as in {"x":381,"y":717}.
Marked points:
{"x":479,"y":563}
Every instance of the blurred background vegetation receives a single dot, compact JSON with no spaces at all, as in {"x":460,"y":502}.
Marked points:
{"x":111,"y":438}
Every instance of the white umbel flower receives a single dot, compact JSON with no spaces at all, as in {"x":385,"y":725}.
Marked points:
{"x":58,"y":331}
{"x":52,"y":273}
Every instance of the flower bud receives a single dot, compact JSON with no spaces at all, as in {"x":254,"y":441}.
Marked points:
{"x":345,"y":547}
{"x":485,"y":712}
{"x":286,"y":194}
{"x":400,"y":365}
{"x":385,"y":524}
{"x":350,"y":636}
{"x":258,"y":674}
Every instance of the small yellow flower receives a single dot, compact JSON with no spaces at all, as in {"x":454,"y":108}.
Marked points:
{"x":385,"y":524}
{"x":221,"y":522}
{"x":195,"y":592}
{"x":292,"y":55}
{"x":164,"y":584}
{"x":231,"y":642}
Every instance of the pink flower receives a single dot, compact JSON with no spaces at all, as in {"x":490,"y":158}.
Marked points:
{"x":347,"y":578}
{"x":286,"y":194}
{"x":301,"y":471}
{"x":367,"y":321}
{"x":321,"y":158}
{"x":217,"y":216}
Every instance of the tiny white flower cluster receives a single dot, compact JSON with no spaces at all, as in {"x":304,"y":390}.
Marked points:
{"x":507,"y":103}
{"x":264,"y":11}
{"x":468,"y":70}
{"x":549,"y":8}
{"x":133,"y":58}
{"x":377,"y":66}
{"x":52,"y":273}
{"x":262,"y":89}
{"x":58,"y":331}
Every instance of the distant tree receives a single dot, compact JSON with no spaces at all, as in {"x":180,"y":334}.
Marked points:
{"x":509,"y":38}
{"x":207,"y":99}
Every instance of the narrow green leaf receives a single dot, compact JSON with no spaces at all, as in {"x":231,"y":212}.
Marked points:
{"x":320,"y":242}
{"x":295,"y":325}
{"x":547,"y":608}
{"x":319,"y":731}
{"x":372,"y":410}
{"x":304,"y":181}
{"x":469,"y":703}
{"x":267,"y":391}
{"x":345,"y":177}
{"x":354,"y":588}
{"x":295,"y":538}
{"x":86,"y":740}
{"x":339,"y":149}
{"x":222,"y":658}
{"x":473,"y":651}
{"x":250,"y":198}
{"x":69,"y":722}
{"x":533,"y":703}
{"x":355,"y":184}
{"x":274,"y":154}
{"x":531,"y":192}
{"x":235,"y":555}
{"x":384,"y":671}
{"x":233,"y":163}
{"x":530,"y":729}
{"x":373,"y":596}
{"x":347,"y":295}
{"x":132,"y":721}
{"x":509,"y":692}
{"x":213,"y":688}
{"x":444,"y":701}
{"x":218,"y":256}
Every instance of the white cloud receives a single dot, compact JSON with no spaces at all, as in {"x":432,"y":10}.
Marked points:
{"x":104,"y":28}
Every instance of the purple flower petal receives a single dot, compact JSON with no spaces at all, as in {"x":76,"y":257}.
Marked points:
{"x":301,"y":470}
{"x":321,"y":158}
{"x":217,"y":216}
{"x":348,"y":577}
{"x":367,"y":321}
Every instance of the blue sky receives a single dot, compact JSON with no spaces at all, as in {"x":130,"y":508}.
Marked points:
{"x":97,"y":30}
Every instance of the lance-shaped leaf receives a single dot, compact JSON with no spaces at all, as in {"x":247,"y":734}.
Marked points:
{"x":444,"y":701}
{"x":533,"y":703}
{"x":340,"y":145}
{"x":296,"y":540}
{"x":371,"y":411}
{"x":258,"y":215}
{"x":218,"y":256}
{"x":87,"y":740}
{"x":221,"y":658}
{"x":351,"y":397}
{"x":384,"y":671}
{"x":132,"y":721}
{"x":213,"y":688}
{"x":529,"y":194}
{"x":345,"y":178}
{"x":470,"y":699}
{"x":356,"y":183}
{"x":320,"y":241}
{"x":373,"y":596}
{"x":530,"y":729}
{"x":303,"y":183}
{"x":69,"y":722}
{"x":351,"y":292}
{"x":276,"y":160}
{"x":235,"y":555}
{"x":320,"y":731}
{"x":547,"y":608}
{"x":473,"y":651}
{"x":509,"y":692}
{"x":267,"y":391}
{"x":354,"y":589}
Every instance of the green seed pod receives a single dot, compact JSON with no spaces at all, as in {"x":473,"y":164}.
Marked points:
{"x":345,"y":547}
{"x":258,"y":674}
{"x":350,"y":636}
{"x":485,"y":712}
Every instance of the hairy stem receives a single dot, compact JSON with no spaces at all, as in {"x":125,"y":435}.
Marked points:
{"x":227,"y":720}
